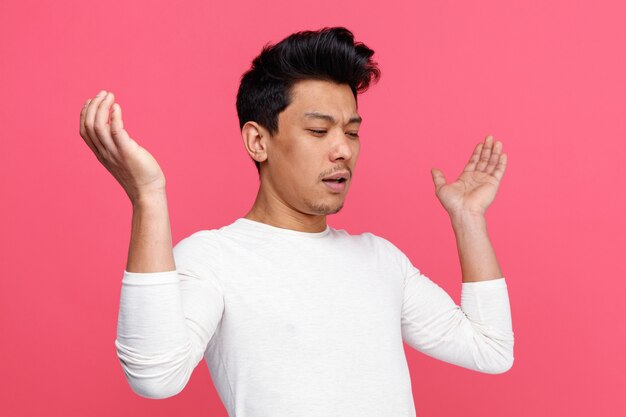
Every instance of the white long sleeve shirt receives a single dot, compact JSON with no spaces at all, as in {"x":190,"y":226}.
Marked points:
{"x":302,"y":324}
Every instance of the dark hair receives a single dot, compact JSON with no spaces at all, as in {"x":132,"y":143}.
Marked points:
{"x":327,"y":54}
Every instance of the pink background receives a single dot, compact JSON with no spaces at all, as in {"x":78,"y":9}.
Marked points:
{"x":547,"y":78}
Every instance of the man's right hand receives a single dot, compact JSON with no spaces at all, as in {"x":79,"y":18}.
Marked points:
{"x":131,"y":165}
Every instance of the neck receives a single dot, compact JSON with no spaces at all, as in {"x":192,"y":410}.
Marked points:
{"x":268,"y":208}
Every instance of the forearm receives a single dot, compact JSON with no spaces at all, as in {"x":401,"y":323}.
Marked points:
{"x":153,"y":342}
{"x":150,"y":248}
{"x":477,"y":257}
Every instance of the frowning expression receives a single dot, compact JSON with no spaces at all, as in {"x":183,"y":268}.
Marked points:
{"x":317,"y":138}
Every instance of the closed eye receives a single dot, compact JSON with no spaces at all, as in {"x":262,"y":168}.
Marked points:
{"x":321,"y":132}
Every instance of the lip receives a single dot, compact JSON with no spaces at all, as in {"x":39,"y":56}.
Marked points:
{"x":336,"y":187}
{"x":345,"y":174}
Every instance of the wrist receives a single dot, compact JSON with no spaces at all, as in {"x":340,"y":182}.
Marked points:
{"x":467,"y":219}
{"x":149,"y":198}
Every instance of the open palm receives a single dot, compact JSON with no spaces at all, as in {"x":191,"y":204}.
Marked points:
{"x":476,"y":187}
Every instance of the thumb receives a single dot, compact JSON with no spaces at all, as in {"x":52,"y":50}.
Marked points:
{"x":438,"y":178}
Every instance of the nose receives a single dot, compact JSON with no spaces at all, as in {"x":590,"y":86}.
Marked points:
{"x":342,"y":147}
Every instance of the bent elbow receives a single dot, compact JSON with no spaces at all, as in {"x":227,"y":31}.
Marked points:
{"x":508,"y":366}
{"x":493,"y":355}
{"x":499,"y":368}
{"x":495,"y":361}
{"x":157,"y":376}
{"x":153,"y":390}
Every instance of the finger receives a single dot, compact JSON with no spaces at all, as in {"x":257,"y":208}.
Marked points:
{"x":90,"y":118}
{"x":485,"y":154}
{"x":83,"y":131}
{"x":471,"y":165}
{"x":119,"y":135}
{"x":101,"y":124}
{"x":500,"y":167}
{"x":495,"y":156}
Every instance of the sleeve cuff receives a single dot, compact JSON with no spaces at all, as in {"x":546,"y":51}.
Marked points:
{"x":487,"y":302}
{"x":490,"y":283}
{"x":150,"y":278}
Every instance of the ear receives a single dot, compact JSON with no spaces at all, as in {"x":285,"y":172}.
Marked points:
{"x":255,"y":140}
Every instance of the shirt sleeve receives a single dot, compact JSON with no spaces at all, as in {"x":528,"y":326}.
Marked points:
{"x":477,"y":335}
{"x":166,"y":319}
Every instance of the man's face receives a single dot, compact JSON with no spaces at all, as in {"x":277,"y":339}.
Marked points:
{"x":317,"y":137}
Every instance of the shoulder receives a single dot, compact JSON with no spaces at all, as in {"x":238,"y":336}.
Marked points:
{"x":198,"y":253}
{"x":372,"y":241}
{"x":201,"y":249}
{"x":197,"y":241}
{"x":386,"y":248}
{"x":379,"y":242}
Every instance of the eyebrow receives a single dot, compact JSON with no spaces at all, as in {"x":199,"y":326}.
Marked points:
{"x":317,"y":115}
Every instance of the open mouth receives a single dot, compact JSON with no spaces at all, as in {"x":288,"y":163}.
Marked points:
{"x":338,"y":185}
{"x":339,"y":180}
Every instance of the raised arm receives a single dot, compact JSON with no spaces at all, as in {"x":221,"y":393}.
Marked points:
{"x":141,"y":177}
{"x":168,"y":310}
{"x":466,"y":200}
{"x":477,"y":335}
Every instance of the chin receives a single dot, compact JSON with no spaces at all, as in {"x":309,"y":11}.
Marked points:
{"x":323,"y":208}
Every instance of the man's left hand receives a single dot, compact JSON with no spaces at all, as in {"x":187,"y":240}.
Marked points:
{"x":477,"y":185}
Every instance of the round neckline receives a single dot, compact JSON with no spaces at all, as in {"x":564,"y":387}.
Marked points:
{"x":281,"y":230}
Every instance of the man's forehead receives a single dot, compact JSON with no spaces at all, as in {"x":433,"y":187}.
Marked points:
{"x":316,"y":114}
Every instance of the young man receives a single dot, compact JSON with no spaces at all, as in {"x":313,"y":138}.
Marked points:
{"x":294,"y":317}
